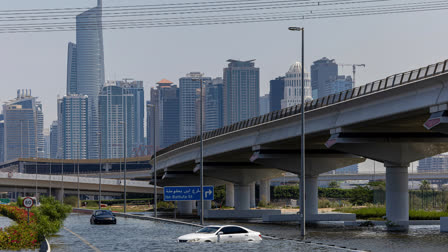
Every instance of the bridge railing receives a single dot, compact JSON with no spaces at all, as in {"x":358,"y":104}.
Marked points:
{"x":367,"y":89}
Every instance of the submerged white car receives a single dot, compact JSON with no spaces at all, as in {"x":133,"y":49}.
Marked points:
{"x":221,"y":234}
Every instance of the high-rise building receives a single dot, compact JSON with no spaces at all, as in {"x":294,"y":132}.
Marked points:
{"x":165,"y":98}
{"x":437,"y":163}
{"x":74,"y":124}
{"x":188,"y":95}
{"x":214,"y":105}
{"x":72,"y":70}
{"x":322,"y":72}
{"x":47,"y":143}
{"x":340,"y":84}
{"x":241,"y":91}
{"x":90,"y":67}
{"x":264,"y":104}
{"x":136,"y":89}
{"x":22,"y":121}
{"x":117,"y":113}
{"x":40,"y":131}
{"x":293,"y":86}
{"x":276,"y":93}
{"x":2,"y":138}
{"x":54,"y":140}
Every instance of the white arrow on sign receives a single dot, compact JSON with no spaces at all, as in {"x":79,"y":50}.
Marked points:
{"x":209,"y":192}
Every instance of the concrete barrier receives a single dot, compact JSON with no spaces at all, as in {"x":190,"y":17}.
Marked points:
{"x":312,"y":218}
{"x":444,"y":224}
{"x":239,"y":214}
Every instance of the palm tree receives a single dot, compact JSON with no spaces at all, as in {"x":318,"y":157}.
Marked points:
{"x":425,"y":185}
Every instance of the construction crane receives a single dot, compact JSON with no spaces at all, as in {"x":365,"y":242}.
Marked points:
{"x":354,"y":69}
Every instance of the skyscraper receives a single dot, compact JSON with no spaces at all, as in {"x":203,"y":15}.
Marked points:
{"x":188,"y":87}
{"x":90,"y":67}
{"x":264,"y":104}
{"x":241,"y":91}
{"x":322,"y":72}
{"x":22,"y":118}
{"x":340,"y":84}
{"x":276,"y":93}
{"x":437,"y":163}
{"x":72,"y":69}
{"x":136,"y":89}
{"x":74,"y":124}
{"x":116,"y":110}
{"x":214,"y":105}
{"x":54,"y":140}
{"x":293,"y":86}
{"x":165,"y":98}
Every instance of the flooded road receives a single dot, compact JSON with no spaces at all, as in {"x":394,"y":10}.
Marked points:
{"x":143,"y":235}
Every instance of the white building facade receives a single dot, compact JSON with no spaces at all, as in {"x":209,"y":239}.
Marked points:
{"x":293,"y":86}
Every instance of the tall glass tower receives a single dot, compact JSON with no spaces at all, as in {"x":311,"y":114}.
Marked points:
{"x":241,"y":91}
{"x":90,"y":68}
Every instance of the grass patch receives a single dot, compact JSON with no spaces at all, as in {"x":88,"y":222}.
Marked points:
{"x":377,"y":213}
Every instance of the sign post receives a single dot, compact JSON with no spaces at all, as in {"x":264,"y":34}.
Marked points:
{"x":184,"y":193}
{"x":28,"y":203}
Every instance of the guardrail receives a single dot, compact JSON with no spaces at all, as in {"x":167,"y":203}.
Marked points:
{"x":367,"y":89}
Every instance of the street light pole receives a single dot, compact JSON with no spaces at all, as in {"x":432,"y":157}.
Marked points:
{"x":124,"y":151}
{"x":79,"y":196}
{"x":201,"y":160}
{"x":302,"y":149}
{"x":99,"y":184}
{"x":155,"y":158}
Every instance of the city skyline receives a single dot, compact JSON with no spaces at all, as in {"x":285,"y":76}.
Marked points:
{"x":348,"y":46}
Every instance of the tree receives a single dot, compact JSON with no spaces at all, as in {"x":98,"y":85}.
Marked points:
{"x":425,"y":185}
{"x":333,"y":184}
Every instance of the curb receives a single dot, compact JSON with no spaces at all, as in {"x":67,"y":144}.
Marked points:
{"x":45,"y":246}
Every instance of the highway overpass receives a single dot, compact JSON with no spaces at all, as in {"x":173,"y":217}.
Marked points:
{"x":396,"y":120}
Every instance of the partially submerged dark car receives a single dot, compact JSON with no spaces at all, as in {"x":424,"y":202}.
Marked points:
{"x":103,"y":217}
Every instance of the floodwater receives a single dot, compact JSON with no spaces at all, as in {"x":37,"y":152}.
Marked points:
{"x":143,"y":235}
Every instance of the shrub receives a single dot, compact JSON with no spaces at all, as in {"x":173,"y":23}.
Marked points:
{"x":165,"y":205}
{"x":361,"y":195}
{"x":71,"y":200}
{"x":50,"y":215}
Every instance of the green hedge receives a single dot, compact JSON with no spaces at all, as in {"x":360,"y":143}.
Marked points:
{"x":358,"y":196}
{"x":380,"y":212}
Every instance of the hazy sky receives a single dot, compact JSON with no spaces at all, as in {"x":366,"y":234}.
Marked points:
{"x":387,"y":44}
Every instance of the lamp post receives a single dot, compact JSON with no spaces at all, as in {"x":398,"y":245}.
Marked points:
{"x":62,"y":175}
{"x":124,"y":147}
{"x":79,"y":196}
{"x":302,"y":154}
{"x":201,"y":160}
{"x":155,"y":158}
{"x":101,"y":164}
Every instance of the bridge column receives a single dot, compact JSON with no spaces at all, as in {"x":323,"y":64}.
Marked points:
{"x":59,"y":194}
{"x":397,"y":199}
{"x":242,"y":197}
{"x":230,"y":195}
{"x":252,"y":195}
{"x":311,"y":196}
{"x":265,"y":190}
{"x":185,"y":207}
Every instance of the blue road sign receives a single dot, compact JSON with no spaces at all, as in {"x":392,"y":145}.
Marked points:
{"x":181,"y":193}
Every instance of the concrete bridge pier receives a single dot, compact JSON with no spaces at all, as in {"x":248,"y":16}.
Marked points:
{"x":230,"y":195}
{"x":58,"y":194}
{"x":242,"y":197}
{"x":185,"y":207}
{"x":396,"y":151}
{"x":311,"y":196}
{"x":397,"y":199}
{"x":252,"y":195}
{"x":265,"y":190}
